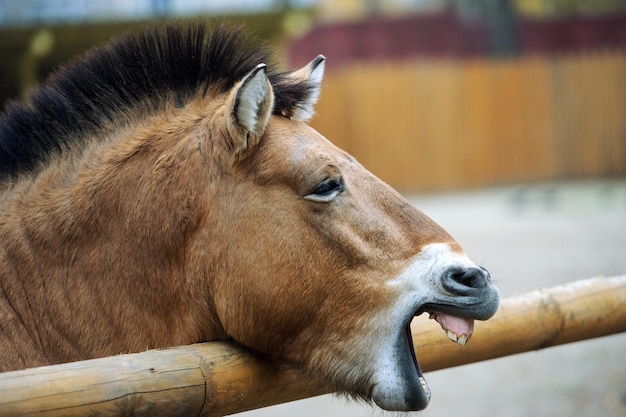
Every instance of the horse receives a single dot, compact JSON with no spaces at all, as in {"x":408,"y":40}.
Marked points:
{"x":165,"y":189}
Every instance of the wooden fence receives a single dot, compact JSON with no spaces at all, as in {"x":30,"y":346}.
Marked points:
{"x":428,"y":125}
{"x":216,"y":379}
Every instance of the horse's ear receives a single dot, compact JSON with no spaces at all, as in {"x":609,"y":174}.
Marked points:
{"x":250,"y":104}
{"x":312,"y":74}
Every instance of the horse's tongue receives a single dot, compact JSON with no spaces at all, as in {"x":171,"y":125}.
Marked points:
{"x":457,"y":329}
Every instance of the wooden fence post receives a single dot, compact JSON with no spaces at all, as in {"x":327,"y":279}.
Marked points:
{"x":216,"y":379}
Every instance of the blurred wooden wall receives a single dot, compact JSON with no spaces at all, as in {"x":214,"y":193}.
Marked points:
{"x":432,"y":125}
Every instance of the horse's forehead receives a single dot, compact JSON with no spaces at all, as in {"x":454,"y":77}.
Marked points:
{"x":313,"y":148}
{"x":301,"y":144}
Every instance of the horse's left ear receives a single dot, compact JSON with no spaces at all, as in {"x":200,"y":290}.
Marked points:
{"x":312,"y":75}
{"x":250,"y":105}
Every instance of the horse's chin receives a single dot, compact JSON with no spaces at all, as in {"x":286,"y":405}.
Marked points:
{"x":422,"y":391}
{"x":403,"y":386}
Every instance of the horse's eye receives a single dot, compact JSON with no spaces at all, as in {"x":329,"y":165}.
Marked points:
{"x":326,"y":190}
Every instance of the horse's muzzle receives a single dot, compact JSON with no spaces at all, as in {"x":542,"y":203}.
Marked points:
{"x":473,"y":289}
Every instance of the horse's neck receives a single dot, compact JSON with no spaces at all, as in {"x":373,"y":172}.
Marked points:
{"x":100,"y":260}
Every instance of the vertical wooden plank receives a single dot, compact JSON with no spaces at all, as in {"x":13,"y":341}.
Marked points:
{"x":477,"y":122}
{"x":609,"y":80}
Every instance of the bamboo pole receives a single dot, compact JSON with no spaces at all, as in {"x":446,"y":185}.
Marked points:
{"x":216,"y":379}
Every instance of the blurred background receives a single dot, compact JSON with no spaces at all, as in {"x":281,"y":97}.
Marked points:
{"x":504,"y":120}
{"x":428,"y":94}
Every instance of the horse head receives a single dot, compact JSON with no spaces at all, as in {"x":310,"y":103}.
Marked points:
{"x":324,"y":264}
{"x":166,"y":189}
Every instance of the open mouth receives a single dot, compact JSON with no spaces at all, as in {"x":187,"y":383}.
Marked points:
{"x":420,"y":375}
{"x":459,"y":330}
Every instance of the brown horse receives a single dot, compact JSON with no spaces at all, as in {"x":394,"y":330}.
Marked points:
{"x":165,"y":190}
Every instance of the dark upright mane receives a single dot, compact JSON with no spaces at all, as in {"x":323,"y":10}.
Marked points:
{"x":167,"y":62}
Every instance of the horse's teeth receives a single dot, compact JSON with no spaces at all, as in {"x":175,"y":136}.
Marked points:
{"x":461,"y":340}
{"x":424,"y":384}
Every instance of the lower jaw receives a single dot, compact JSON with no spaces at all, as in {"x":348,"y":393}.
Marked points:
{"x":420,"y":375}
{"x":409,"y":390}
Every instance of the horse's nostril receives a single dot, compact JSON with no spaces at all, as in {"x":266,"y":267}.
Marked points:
{"x":461,"y":279}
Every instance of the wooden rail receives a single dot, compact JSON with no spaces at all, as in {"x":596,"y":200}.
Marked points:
{"x":216,"y":379}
